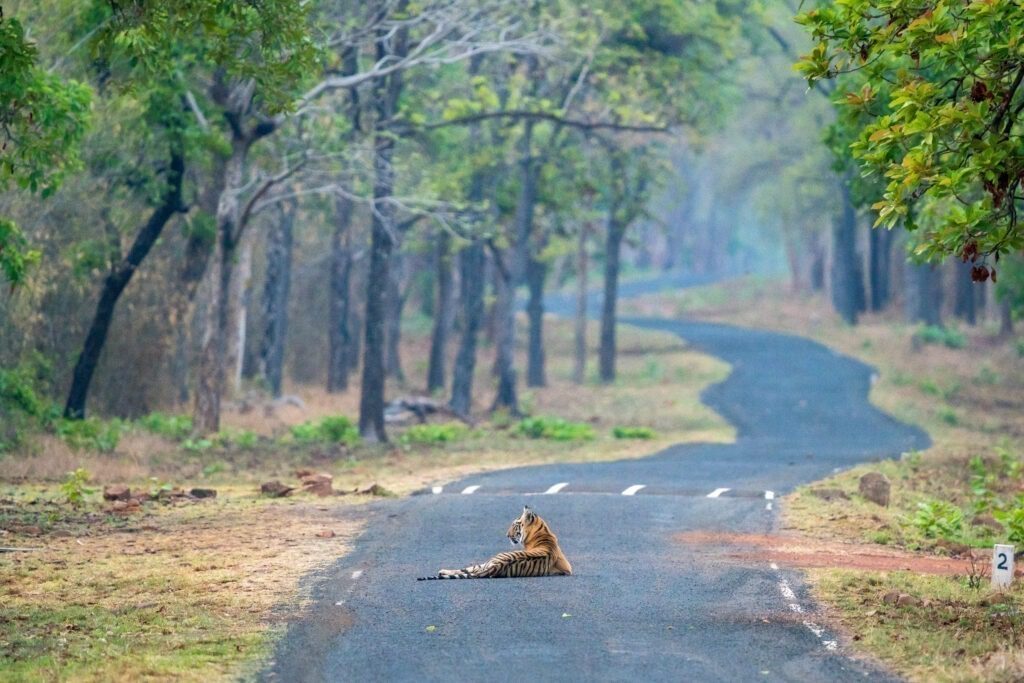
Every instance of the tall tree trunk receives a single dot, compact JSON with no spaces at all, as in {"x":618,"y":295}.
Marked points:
{"x":238,"y":312}
{"x":276,"y":288}
{"x":536,"y":273}
{"x":472,"y":283}
{"x":579,"y":372}
{"x":1005,"y":318}
{"x":444,"y":313}
{"x":339,"y":336}
{"x":924,"y":294}
{"x":114,"y":285}
{"x":847,"y":288}
{"x":395,"y":302}
{"x":506,"y":397}
{"x":210,"y":378}
{"x":386,"y":94}
{"x":965,"y":302}
{"x":880,"y":267}
{"x":612,"y":256}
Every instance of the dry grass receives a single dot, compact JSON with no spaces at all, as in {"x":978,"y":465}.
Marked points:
{"x":971,"y":401}
{"x":189,"y":593}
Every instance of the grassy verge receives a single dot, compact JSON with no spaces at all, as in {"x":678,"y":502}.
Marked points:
{"x":197,"y":590}
{"x":966,"y":388}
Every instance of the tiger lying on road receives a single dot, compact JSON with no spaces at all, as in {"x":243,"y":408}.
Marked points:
{"x":541,"y":555}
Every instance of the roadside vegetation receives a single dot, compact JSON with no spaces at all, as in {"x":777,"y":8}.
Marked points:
{"x":197,"y":588}
{"x":965,"y":386}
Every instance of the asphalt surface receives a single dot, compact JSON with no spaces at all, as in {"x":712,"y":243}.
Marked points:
{"x":640,"y":605}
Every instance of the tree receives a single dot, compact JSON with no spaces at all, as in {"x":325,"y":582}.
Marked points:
{"x":942,"y":99}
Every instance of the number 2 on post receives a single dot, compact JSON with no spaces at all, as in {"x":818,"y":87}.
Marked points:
{"x":1002,"y":561}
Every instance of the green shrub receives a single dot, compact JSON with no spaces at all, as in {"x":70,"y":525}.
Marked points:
{"x":74,"y":488}
{"x":938,"y":519}
{"x":22,"y":408}
{"x":173,"y":427}
{"x":948,"y":415}
{"x":335,"y":429}
{"x":1014,"y":521}
{"x":554,"y":428}
{"x":633,"y":433}
{"x":934,"y":334}
{"x":433,"y":433}
{"x":91,"y":434}
{"x":198,"y":445}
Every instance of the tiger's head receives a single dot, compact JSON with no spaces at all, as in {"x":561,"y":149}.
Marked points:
{"x":523,"y":526}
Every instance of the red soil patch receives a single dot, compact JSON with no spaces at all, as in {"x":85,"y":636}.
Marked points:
{"x":806,"y":553}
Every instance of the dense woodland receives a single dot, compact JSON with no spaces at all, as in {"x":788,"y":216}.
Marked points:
{"x":206,"y":200}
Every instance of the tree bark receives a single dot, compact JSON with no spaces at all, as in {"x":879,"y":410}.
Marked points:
{"x":276,"y":288}
{"x":395,"y":302}
{"x":340,"y":339}
{"x":612,"y":256}
{"x":1005,"y":318}
{"x":211,"y":375}
{"x":386,"y":94}
{"x":238,"y":311}
{"x":444,"y":313}
{"x":847,"y":288}
{"x":965,"y":301}
{"x":880,"y":267}
{"x":536,"y":273}
{"x":924,"y":294}
{"x":114,"y":285}
{"x":506,"y":398}
{"x":579,"y":372}
{"x":472,"y":283}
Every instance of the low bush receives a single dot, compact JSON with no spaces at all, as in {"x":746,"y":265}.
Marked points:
{"x":554,"y":428}
{"x":433,"y":433}
{"x":92,"y":433}
{"x":934,"y":334}
{"x":75,"y":487}
{"x":173,"y":427}
{"x":633,"y":433}
{"x":939,"y":519}
{"x":335,"y":429}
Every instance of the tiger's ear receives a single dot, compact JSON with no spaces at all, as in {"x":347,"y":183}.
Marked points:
{"x":528,"y":515}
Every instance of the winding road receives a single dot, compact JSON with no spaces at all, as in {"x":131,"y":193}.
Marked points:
{"x":641,"y":605}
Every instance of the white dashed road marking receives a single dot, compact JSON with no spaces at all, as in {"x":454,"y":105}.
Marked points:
{"x":437,"y":489}
{"x":716,"y":493}
{"x":769,"y":496}
{"x":790,"y":597}
{"x":631,"y":491}
{"x":355,"y":575}
{"x":557,"y":487}
{"x":470,"y":489}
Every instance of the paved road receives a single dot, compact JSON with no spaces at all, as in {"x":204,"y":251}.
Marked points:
{"x":642,"y":606}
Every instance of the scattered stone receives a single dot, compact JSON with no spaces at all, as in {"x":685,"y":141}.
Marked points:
{"x":905,"y":600}
{"x":318,"y":484}
{"x":373,"y":490}
{"x":326,"y":533}
{"x":275,"y":489}
{"x":203,"y":493}
{"x":126,"y":507}
{"x":988,"y":521}
{"x":954,"y":548}
{"x":830,"y":494}
{"x":171,"y":494}
{"x":874,"y":486}
{"x":891,"y":597}
{"x":116,"y":492}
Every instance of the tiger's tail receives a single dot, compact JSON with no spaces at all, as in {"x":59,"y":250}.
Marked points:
{"x":461,"y":575}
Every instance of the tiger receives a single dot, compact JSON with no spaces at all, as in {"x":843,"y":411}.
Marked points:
{"x":540,"y":556}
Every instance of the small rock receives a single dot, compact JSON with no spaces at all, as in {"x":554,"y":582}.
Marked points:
{"x":830,"y":494}
{"x":275,"y":489}
{"x":119,"y":506}
{"x":905,"y":600}
{"x":988,"y":521}
{"x":326,"y":533}
{"x":891,"y":597}
{"x":874,"y":486}
{"x":318,"y":484}
{"x":373,"y":490}
{"x":203,"y":493}
{"x":953,"y":548}
{"x":116,"y":492}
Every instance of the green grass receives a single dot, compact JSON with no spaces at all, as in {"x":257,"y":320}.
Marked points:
{"x":633,"y":433}
{"x":554,"y":429}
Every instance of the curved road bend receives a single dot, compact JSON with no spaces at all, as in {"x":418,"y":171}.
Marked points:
{"x":640,"y":606}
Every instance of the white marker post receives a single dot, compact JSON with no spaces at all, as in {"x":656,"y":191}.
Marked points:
{"x":1002,"y":566}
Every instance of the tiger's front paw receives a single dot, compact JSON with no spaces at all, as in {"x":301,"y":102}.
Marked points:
{"x":449,"y":574}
